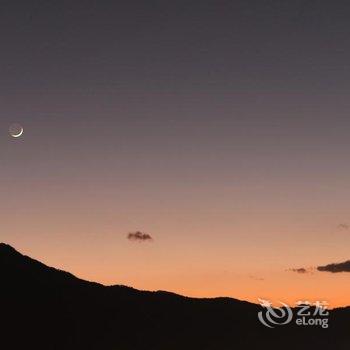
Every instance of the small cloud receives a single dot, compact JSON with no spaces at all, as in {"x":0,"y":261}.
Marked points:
{"x":343,"y":227}
{"x":139,"y":236}
{"x":302,"y":270}
{"x":256,"y":278}
{"x":335,"y":267}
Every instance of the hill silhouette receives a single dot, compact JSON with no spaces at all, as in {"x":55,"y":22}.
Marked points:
{"x":46,"y":308}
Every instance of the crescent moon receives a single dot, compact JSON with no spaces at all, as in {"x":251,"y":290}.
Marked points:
{"x":19,"y":134}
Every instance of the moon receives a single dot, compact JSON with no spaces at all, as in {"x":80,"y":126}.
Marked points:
{"x":16,"y":130}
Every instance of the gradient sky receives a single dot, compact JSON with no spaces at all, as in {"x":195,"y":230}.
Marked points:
{"x":220,"y":128}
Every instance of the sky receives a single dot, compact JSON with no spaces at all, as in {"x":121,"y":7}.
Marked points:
{"x":218,"y":128}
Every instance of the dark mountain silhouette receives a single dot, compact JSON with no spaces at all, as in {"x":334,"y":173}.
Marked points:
{"x":45,"y":308}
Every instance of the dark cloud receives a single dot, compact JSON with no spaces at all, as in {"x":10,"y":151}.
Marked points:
{"x":335,"y":267}
{"x":302,"y":270}
{"x":343,"y":227}
{"x":139,"y":236}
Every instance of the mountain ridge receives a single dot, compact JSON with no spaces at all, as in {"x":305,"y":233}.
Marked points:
{"x":8,"y":249}
{"x":46,"y":308}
